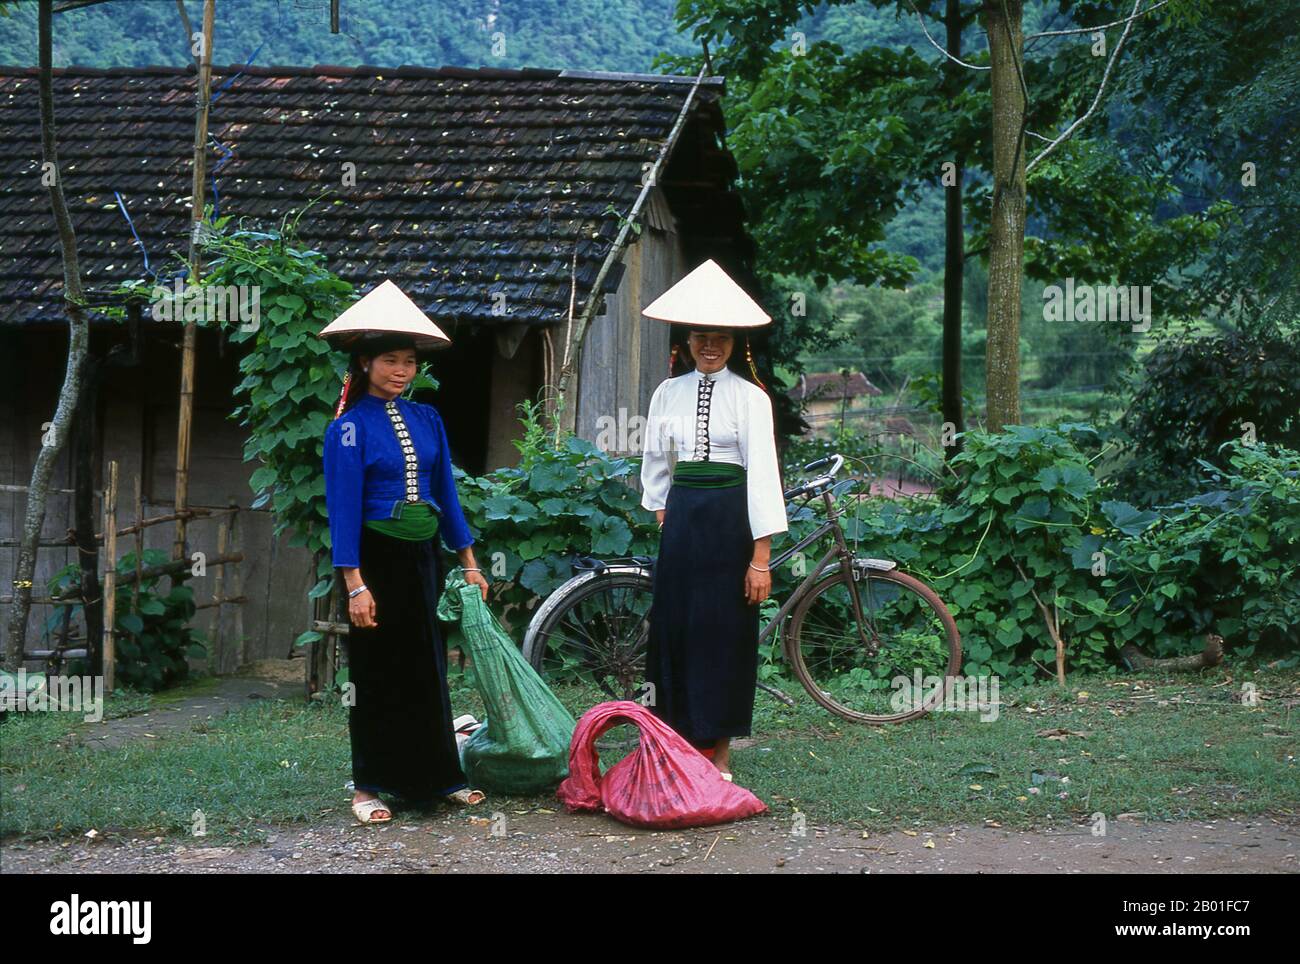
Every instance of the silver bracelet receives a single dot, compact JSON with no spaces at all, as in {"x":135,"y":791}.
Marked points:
{"x":757,"y":569}
{"x":463,"y":569}
{"x":358,"y":591}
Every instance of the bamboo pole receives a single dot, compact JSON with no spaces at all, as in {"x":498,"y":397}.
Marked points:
{"x":169,"y":517}
{"x":71,"y":538}
{"x":222,"y":601}
{"x":214,"y":626}
{"x":185,"y":422}
{"x":177,"y":566}
{"x":237,"y":586}
{"x":24,"y":489}
{"x":129,"y":579}
{"x":139,"y":545}
{"x":336,"y":598}
{"x":110,"y":573}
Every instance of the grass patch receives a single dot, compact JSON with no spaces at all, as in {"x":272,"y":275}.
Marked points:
{"x":1169,"y":747}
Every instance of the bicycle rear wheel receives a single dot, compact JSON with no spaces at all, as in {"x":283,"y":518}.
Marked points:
{"x":596,"y":635}
{"x":850,"y":663}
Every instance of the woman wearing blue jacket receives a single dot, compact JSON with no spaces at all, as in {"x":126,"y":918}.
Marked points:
{"x":390,"y":493}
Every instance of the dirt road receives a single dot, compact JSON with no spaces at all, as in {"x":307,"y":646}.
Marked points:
{"x":446,"y":841}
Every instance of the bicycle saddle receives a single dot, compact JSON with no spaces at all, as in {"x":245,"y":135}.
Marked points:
{"x":588,"y":563}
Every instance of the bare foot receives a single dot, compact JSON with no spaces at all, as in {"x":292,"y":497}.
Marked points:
{"x":722,"y":756}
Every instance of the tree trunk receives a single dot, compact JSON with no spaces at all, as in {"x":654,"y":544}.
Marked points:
{"x":1002,"y":21}
{"x":954,"y":260}
{"x":53,"y":439}
{"x":1211,"y":655}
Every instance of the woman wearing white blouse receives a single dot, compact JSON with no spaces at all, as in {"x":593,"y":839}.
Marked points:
{"x":718,"y":507}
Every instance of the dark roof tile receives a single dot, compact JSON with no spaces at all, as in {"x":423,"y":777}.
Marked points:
{"x":468,"y":181}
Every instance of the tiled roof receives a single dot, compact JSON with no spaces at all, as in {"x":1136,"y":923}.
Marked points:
{"x":468,"y":182}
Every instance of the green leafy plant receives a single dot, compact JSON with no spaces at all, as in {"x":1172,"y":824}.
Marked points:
{"x":1195,"y":394}
{"x":291,"y":375}
{"x":566,"y":498}
{"x":292,"y":379}
{"x":153,"y":637}
{"x":1024,"y":536}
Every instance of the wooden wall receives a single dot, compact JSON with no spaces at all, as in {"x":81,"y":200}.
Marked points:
{"x":138,"y":429}
{"x":626,"y":355}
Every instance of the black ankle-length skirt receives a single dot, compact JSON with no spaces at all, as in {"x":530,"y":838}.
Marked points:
{"x":702,"y":653}
{"x":400,"y":725}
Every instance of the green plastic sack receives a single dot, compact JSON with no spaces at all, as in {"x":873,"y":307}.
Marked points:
{"x":523,"y":747}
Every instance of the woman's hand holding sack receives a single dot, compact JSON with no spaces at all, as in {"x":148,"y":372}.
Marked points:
{"x":475,"y":578}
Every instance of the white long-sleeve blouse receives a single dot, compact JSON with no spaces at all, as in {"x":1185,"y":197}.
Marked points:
{"x":720,"y":417}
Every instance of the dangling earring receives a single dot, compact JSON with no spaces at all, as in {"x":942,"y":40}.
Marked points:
{"x":343,"y":395}
{"x":749,"y":357}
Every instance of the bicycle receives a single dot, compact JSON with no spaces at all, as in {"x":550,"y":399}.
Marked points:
{"x":851,"y":628}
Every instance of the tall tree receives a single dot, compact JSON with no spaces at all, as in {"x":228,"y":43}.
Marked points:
{"x":1003,"y":22}
{"x":54,"y":433}
{"x":954,"y":243}
{"x":832,"y":144}
{"x":1220,"y":109}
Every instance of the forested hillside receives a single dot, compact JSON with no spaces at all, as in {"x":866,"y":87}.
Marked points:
{"x":611,"y":35}
{"x":621,"y":35}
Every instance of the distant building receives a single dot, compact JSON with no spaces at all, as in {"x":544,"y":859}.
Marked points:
{"x":826,"y":397}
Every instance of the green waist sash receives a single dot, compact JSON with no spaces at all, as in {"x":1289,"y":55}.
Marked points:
{"x":417,"y":522}
{"x":708,"y":475}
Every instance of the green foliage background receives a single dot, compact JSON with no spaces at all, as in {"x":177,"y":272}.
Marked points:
{"x":613,"y":35}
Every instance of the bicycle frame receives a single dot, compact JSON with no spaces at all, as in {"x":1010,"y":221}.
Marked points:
{"x":839,"y":549}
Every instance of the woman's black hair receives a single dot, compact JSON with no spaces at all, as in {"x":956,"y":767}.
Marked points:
{"x":369,"y":347}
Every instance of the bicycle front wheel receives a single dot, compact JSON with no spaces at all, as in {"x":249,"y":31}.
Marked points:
{"x":850,"y":654}
{"x":596,"y":635}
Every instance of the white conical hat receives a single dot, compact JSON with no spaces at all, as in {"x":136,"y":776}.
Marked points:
{"x":708,"y":298}
{"x":385,"y":310}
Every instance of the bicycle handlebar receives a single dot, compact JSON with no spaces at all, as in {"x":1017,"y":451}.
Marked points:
{"x":816,"y":485}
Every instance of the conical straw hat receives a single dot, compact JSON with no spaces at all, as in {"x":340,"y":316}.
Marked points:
{"x":708,"y":298}
{"x":385,"y":310}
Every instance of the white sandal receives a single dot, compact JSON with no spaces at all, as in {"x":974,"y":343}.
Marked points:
{"x":465,"y":796}
{"x":364,"y":810}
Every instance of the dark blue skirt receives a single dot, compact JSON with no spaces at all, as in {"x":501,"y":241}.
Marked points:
{"x":400,"y":727}
{"x":702,"y":654}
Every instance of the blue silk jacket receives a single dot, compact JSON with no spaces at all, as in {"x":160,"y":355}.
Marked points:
{"x":380,"y":456}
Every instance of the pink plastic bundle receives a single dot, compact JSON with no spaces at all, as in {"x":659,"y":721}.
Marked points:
{"x":665,"y":783}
